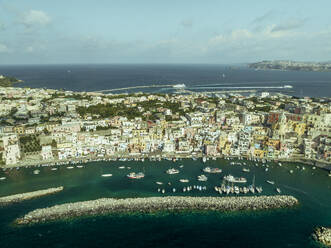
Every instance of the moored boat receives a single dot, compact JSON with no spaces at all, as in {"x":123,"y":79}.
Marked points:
{"x":184,"y":180}
{"x":2,"y":178}
{"x":233,"y":179}
{"x":202,"y":178}
{"x":106,"y":175}
{"x":212,"y":170}
{"x":172,"y":171}
{"x":134,"y":175}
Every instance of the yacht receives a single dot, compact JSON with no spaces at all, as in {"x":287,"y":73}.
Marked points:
{"x":179,"y":86}
{"x":106,"y":175}
{"x":172,"y":171}
{"x":259,"y":189}
{"x":134,"y":175}
{"x":212,"y":170}
{"x":233,"y":179}
{"x":202,"y":178}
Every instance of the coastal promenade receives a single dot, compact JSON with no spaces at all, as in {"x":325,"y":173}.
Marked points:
{"x":153,"y":204}
{"x":6,"y":200}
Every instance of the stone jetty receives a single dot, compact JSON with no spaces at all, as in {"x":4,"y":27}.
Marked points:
{"x":6,"y":200}
{"x":323,"y":235}
{"x":153,"y":204}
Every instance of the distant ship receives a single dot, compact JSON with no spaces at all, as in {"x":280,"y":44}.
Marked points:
{"x":287,"y":86}
{"x":179,"y":86}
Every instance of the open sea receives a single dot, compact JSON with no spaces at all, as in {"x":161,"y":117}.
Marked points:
{"x":195,"y":77}
{"x":272,"y":228}
{"x":276,"y":228}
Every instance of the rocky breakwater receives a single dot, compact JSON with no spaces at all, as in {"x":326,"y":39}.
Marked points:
{"x":6,"y":200}
{"x":323,"y":235}
{"x":153,"y":204}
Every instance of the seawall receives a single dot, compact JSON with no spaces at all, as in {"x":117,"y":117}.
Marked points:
{"x":6,"y":200}
{"x":153,"y":204}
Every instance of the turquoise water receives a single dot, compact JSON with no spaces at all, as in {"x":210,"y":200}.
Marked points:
{"x":277,"y":228}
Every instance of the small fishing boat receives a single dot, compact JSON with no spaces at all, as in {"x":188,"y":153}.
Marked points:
{"x":70,"y":167}
{"x":202,"y":178}
{"x":233,"y":179}
{"x":2,"y":178}
{"x":270,"y":182}
{"x":54,"y":169}
{"x":278,"y":190}
{"x":134,"y":175}
{"x":174,"y":190}
{"x":159,"y":183}
{"x":184,"y":180}
{"x":212,"y":170}
{"x":163,"y":191}
{"x":246,"y":170}
{"x":106,"y":175}
{"x":259,"y":189}
{"x":291,"y":171}
{"x":172,"y":171}
{"x":121,"y":167}
{"x":79,"y":166}
{"x":36,"y":172}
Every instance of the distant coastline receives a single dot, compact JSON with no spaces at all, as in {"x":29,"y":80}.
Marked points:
{"x":283,"y":65}
{"x":8,"y":81}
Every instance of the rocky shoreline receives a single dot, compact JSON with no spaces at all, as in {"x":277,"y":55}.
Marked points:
{"x":153,"y":204}
{"x":6,"y":200}
{"x":323,"y":235}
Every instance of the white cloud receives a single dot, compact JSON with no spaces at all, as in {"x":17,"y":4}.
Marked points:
{"x":35,"y":18}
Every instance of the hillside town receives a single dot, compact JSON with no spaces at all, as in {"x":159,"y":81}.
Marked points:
{"x":40,"y":126}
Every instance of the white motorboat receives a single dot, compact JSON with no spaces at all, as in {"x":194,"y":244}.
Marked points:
{"x":184,"y":180}
{"x":270,"y":182}
{"x":106,"y":175}
{"x":159,"y":183}
{"x":2,"y":178}
{"x":233,"y":179}
{"x":202,"y":178}
{"x":36,"y":172}
{"x":172,"y":171}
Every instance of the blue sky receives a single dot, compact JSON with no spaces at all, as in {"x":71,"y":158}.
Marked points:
{"x":167,"y":31}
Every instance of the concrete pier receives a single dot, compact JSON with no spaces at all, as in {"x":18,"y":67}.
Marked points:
{"x":153,"y":204}
{"x":6,"y":200}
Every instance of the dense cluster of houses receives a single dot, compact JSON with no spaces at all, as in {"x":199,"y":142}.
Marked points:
{"x":270,"y":127}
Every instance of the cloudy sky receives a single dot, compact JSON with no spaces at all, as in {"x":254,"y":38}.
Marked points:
{"x":163,"y":31}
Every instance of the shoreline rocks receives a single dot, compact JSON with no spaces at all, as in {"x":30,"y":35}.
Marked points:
{"x":323,"y":235}
{"x":6,"y":200}
{"x":153,"y":204}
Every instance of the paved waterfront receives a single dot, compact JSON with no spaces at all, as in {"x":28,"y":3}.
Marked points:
{"x":152,"y":204}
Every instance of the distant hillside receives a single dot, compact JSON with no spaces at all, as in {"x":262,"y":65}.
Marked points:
{"x":8,"y":81}
{"x":291,"y":66}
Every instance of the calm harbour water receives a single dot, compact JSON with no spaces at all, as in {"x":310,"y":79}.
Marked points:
{"x":276,"y":228}
{"x":196,"y":78}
